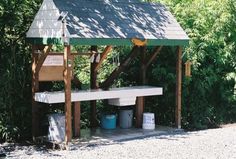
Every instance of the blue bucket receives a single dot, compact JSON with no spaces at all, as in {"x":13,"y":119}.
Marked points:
{"x":108,"y":121}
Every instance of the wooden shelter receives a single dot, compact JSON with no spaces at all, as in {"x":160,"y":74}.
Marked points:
{"x":94,"y":23}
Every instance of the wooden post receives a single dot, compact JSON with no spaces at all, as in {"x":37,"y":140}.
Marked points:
{"x":42,"y":58}
{"x":77,"y":119}
{"x":143,"y":79}
{"x":178,"y":88}
{"x":140,"y":103}
{"x":139,"y":111}
{"x":67,"y":82}
{"x":93,"y":85}
{"x":37,"y":62}
{"x":35,"y":88}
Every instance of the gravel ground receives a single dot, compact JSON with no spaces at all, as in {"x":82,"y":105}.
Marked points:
{"x":212,"y":143}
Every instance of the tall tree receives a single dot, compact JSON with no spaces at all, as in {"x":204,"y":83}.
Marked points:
{"x":15,"y":19}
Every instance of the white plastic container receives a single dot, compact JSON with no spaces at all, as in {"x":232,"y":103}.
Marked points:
{"x":148,"y":121}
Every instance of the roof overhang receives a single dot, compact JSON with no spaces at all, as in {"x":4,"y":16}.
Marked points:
{"x":103,"y":41}
{"x":105,"y":22}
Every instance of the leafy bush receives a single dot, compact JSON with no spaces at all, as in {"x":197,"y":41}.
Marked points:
{"x":15,"y":59}
{"x":208,"y":96}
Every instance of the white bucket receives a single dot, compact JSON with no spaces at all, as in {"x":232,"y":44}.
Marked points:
{"x":148,"y":121}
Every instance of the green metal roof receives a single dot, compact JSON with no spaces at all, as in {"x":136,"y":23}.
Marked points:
{"x":105,"y":22}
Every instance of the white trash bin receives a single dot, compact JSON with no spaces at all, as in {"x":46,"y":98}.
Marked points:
{"x":148,"y":121}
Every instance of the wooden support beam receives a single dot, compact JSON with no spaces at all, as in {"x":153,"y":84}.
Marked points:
{"x":35,"y":88}
{"x":103,"y":56}
{"x":139,"y":112}
{"x":178,"y":88}
{"x":77,"y":119}
{"x":106,"y":84}
{"x":93,"y":85}
{"x":153,"y":56}
{"x":67,"y":82}
{"x":140,"y":101}
{"x":77,"y":82}
{"x":143,"y":69}
{"x":93,"y":73}
{"x":42,"y":57}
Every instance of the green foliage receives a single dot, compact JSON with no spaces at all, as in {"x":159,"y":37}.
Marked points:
{"x":15,"y":59}
{"x":208,"y":96}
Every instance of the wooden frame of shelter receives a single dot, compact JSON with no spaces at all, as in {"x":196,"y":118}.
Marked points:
{"x":109,"y":23}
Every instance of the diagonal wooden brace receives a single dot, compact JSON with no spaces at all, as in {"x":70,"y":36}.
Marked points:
{"x":156,"y":51}
{"x":42,"y":58}
{"x":106,"y":84}
{"x":103,"y":56}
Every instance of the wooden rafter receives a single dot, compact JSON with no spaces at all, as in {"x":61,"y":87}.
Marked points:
{"x":103,"y":56}
{"x":106,"y":84}
{"x":42,"y":58}
{"x":154,"y":54}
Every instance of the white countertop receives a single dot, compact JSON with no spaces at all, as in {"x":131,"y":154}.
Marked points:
{"x":97,"y":94}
